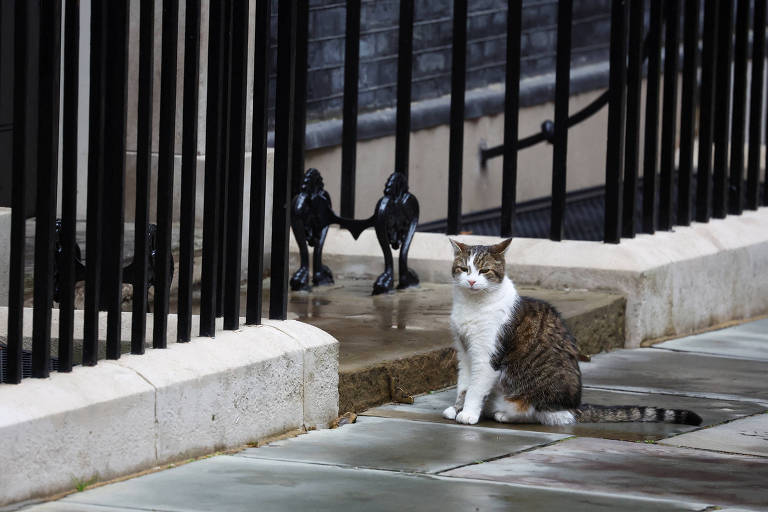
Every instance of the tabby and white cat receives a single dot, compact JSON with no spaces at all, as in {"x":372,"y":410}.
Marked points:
{"x":518,"y":363}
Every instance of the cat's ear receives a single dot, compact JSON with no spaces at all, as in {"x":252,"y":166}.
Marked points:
{"x":500,"y":247}
{"x":458,"y":246}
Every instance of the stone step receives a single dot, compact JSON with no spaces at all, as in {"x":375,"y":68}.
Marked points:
{"x":403,"y":340}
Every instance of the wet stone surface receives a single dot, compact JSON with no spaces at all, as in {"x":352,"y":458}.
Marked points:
{"x":227,"y":484}
{"x":430,"y":406}
{"x":400,"y":445}
{"x":653,"y":370}
{"x":375,"y":328}
{"x":747,"y":436}
{"x":747,"y":341}
{"x":633,"y":469}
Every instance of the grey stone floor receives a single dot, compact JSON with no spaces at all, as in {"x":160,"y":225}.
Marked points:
{"x":406,"y":457}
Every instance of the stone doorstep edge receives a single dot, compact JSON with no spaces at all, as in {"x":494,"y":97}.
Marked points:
{"x":136,"y":413}
{"x":363,"y":388}
{"x":675,"y":282}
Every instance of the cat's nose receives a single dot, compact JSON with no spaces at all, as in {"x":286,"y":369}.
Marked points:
{"x":471,"y":283}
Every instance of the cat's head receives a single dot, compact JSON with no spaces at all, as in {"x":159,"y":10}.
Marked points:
{"x":479,"y":267}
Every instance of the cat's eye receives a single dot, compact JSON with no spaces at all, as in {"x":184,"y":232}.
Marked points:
{"x":486,"y":271}
{"x":462,"y":269}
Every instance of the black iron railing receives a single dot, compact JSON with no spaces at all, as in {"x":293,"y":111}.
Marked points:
{"x":712,"y":180}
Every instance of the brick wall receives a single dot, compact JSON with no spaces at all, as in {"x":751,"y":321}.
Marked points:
{"x":432,"y":47}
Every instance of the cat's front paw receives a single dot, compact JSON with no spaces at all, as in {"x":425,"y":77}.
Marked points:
{"x":467,"y":418}
{"x":450,"y":413}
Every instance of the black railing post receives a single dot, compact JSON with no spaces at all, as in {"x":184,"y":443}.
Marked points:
{"x":167,"y":139}
{"x":632,"y":139}
{"x":96,"y":138}
{"x":114,"y":166}
{"x":651,"y":149}
{"x":722,"y":108}
{"x":236,"y":169}
{"x":756,"y":106}
{"x":614,"y":164}
{"x":261,"y":68}
{"x":738,"y":137}
{"x":562,"y":96}
{"x":511,"y":117}
{"x":349,"y":126}
{"x":707,"y":110}
{"x":69,"y":183}
{"x":47,"y":182}
{"x":688,"y":111}
{"x":404,"y":74}
{"x":24,"y":56}
{"x":300,"y":98}
{"x":143,"y":172}
{"x":188,"y":167}
{"x":669,"y":114}
{"x":284,"y":134}
{"x":456,"y":138}
{"x":213,"y":149}
{"x":223,"y":230}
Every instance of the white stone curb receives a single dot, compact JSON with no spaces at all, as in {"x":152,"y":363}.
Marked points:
{"x":190,"y":399}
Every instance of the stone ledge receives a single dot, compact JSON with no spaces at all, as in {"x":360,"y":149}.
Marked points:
{"x":190,"y":399}
{"x":675,"y":282}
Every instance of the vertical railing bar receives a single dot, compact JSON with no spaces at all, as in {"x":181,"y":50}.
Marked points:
{"x":722,"y":108}
{"x":114,"y":158}
{"x":511,"y":117}
{"x":688,"y":111}
{"x":166,"y":155}
{"x":261,"y":69}
{"x":614,"y":162}
{"x":96,"y":130}
{"x":213,"y":143}
{"x":349,"y":125}
{"x":651,"y":133}
{"x":756,"y":106}
{"x":284,"y":132}
{"x":69,"y":183}
{"x":189,"y":167}
{"x":706,"y":109}
{"x":736,"y":189}
{"x":404,"y":74}
{"x":143,"y":173}
{"x":562,"y":96}
{"x":669,"y":114}
{"x":22,"y":64}
{"x":300,"y":99}
{"x":239,"y":74}
{"x":456,"y":137}
{"x":224,"y":156}
{"x":47,"y":182}
{"x":632,"y":134}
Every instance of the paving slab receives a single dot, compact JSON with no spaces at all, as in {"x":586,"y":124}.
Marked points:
{"x":228,"y":484}
{"x":429,"y":407}
{"x":634,"y":469}
{"x":748,"y":436}
{"x":746,"y":341}
{"x":62,"y":506}
{"x":653,"y":370}
{"x":401,"y":445}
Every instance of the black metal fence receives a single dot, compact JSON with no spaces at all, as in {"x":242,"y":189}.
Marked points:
{"x":713,"y":109}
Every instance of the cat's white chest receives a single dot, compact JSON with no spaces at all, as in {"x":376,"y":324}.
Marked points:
{"x":477,"y":319}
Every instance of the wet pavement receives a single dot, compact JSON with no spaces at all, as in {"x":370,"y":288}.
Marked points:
{"x":406,"y":457}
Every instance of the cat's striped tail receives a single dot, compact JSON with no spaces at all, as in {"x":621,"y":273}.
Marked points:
{"x":587,"y":413}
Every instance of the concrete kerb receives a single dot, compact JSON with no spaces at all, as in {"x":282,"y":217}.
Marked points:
{"x":139,"y":412}
{"x":675,"y":282}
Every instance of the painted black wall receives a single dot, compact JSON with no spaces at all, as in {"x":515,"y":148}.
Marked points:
{"x":432,"y":47}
